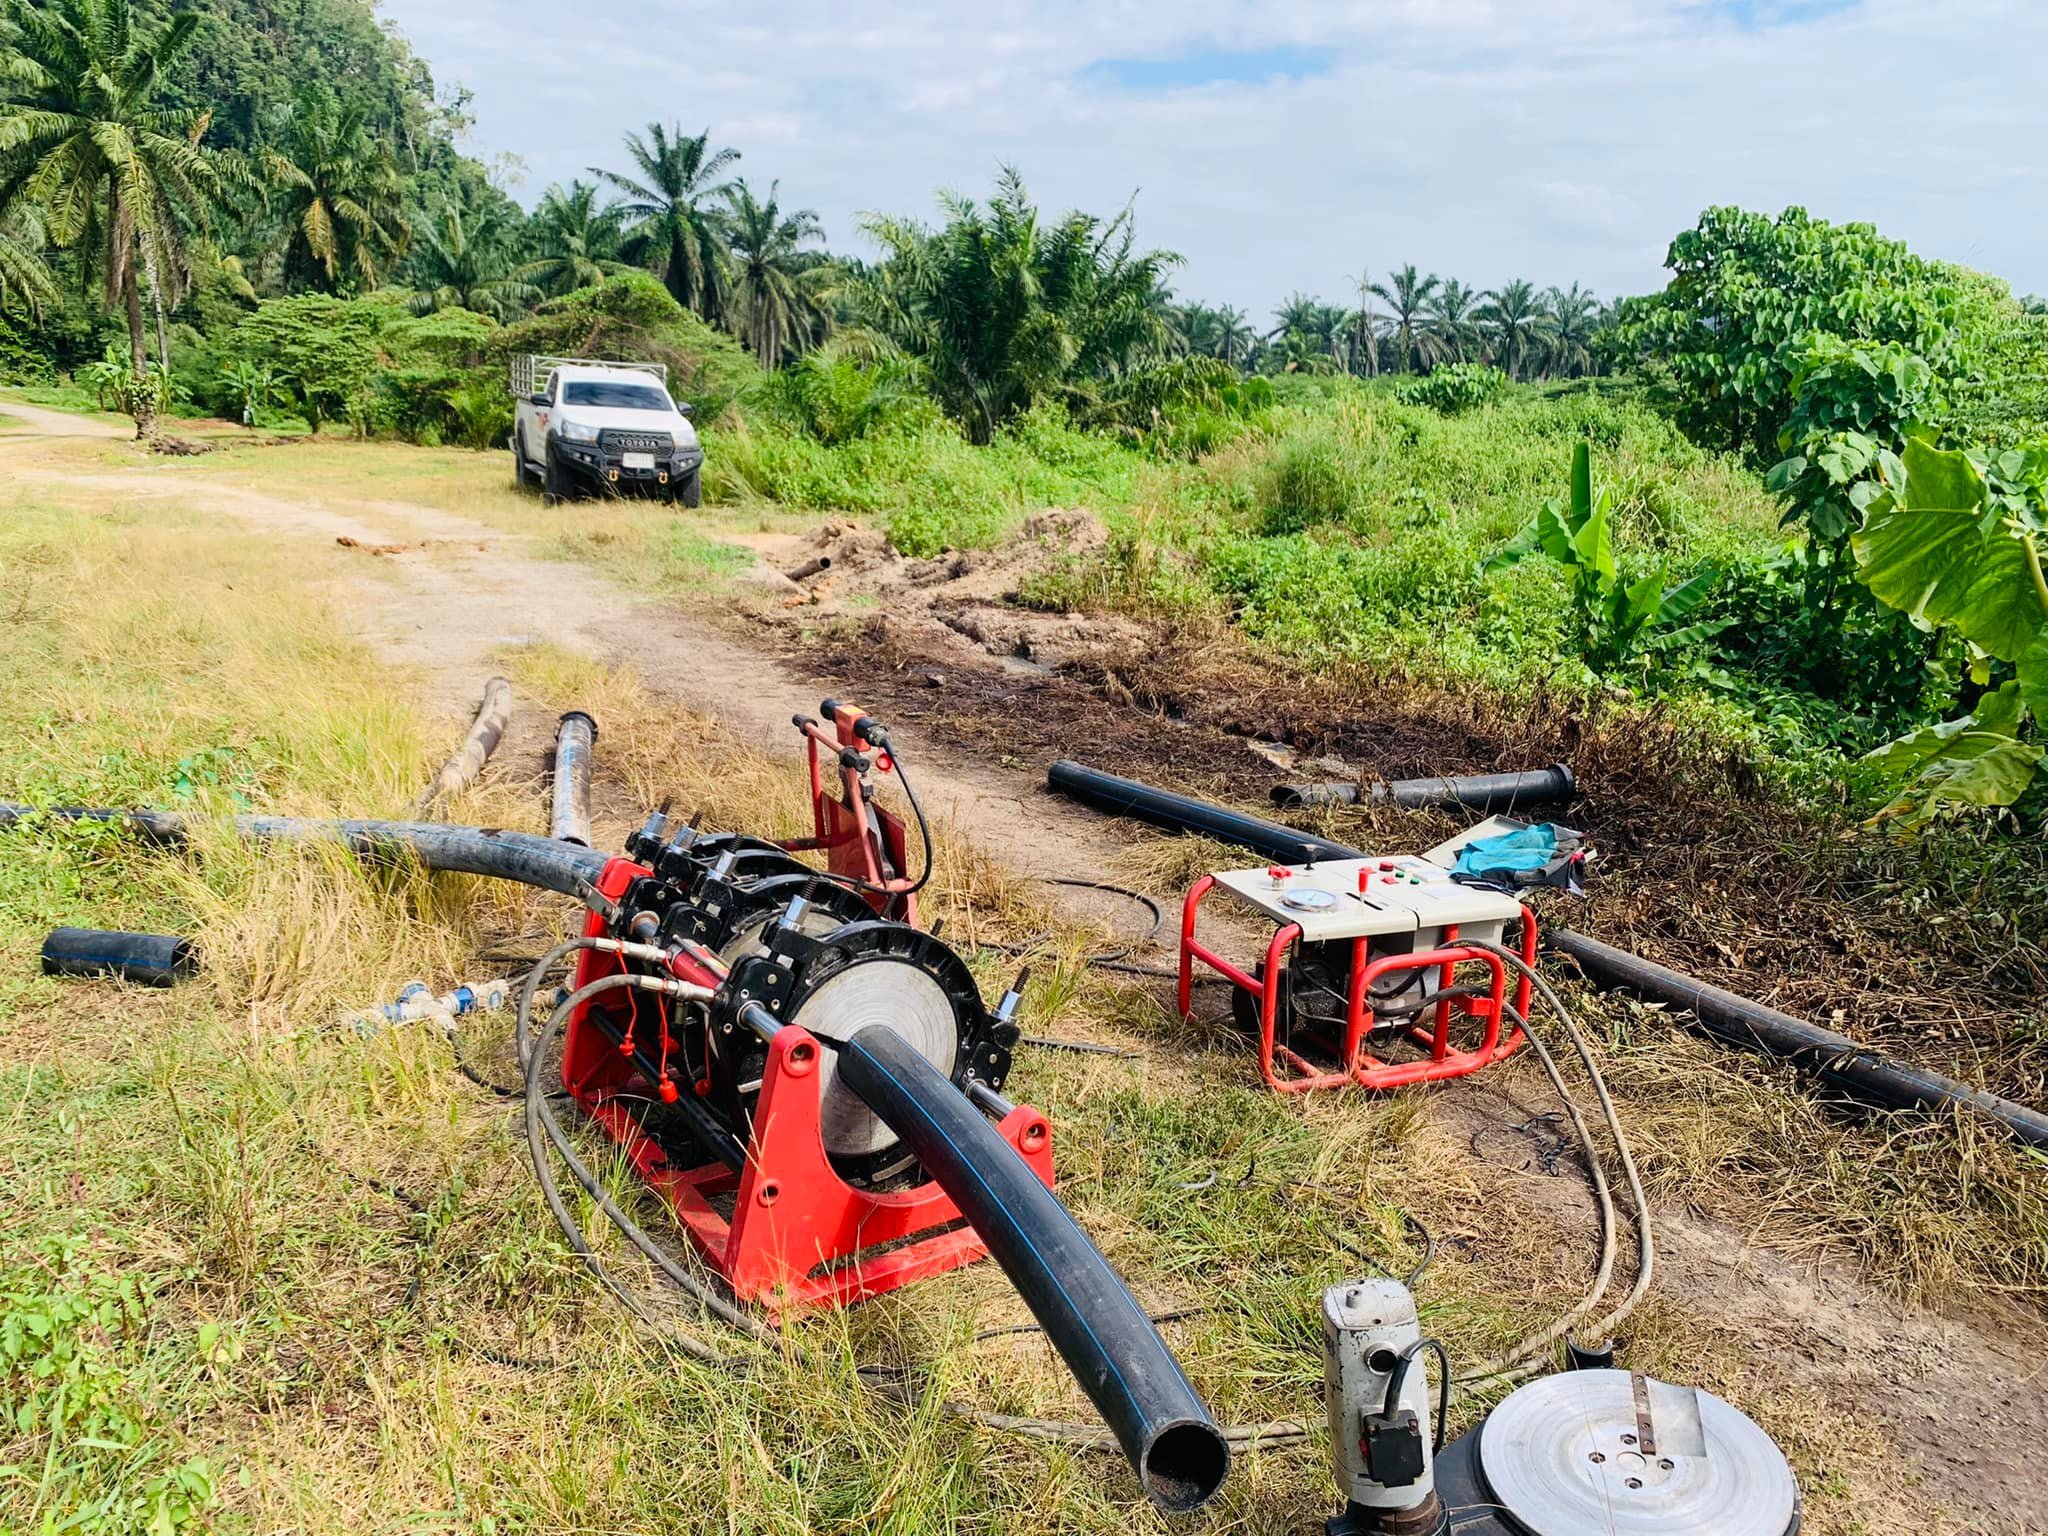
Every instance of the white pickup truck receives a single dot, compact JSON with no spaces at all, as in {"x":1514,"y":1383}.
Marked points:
{"x":612,"y":427}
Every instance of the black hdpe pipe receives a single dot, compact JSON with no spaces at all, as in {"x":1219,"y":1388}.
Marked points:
{"x":575,"y":736}
{"x":1178,"y":813}
{"x":520,"y":856}
{"x":1486,"y":793}
{"x":1836,"y":1059}
{"x":1111,"y":1346}
{"x":148,"y":959}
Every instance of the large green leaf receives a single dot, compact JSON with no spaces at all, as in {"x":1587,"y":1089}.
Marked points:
{"x":1936,"y":552}
{"x":1976,"y":760}
{"x":2032,"y":669}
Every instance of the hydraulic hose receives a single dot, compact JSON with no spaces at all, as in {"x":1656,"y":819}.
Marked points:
{"x":1487,"y":793}
{"x":520,"y":856}
{"x":1111,"y":1346}
{"x":575,"y":736}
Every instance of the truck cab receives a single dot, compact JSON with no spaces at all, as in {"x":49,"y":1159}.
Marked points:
{"x":580,"y":425}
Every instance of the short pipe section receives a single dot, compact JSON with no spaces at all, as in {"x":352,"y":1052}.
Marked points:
{"x":575,"y":739}
{"x":1167,"y":1433}
{"x":147,"y":959}
{"x":1488,"y":793}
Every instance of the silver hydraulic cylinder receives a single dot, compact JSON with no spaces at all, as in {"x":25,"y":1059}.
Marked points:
{"x":1380,"y":1452}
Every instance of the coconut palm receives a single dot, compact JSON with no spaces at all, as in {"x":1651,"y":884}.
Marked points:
{"x":340,"y":194}
{"x":578,"y":240}
{"x":1234,"y":336}
{"x":87,"y":142}
{"x":669,"y":224}
{"x":769,"y":296}
{"x":1575,"y":319}
{"x":1516,"y":326}
{"x":461,"y":263}
{"x":1407,"y":294}
{"x":1454,"y":321}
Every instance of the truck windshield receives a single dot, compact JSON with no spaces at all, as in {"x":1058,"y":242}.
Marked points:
{"x":615,"y":396}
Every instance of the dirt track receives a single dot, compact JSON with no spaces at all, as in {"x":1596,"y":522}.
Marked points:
{"x":1965,"y":1396}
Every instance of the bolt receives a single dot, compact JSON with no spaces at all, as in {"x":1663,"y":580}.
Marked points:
{"x":1635,"y":1482}
{"x":1667,"y":1464}
{"x":1599,"y":1455}
{"x":1628,"y":1439}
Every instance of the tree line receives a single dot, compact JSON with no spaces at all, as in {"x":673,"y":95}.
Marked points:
{"x":121,"y":175}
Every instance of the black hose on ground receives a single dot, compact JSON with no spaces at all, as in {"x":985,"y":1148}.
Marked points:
{"x":575,"y":737}
{"x":544,"y":862}
{"x":1834,"y":1059}
{"x":1108,"y":1342}
{"x":1837,"y":1060}
{"x":148,"y":959}
{"x":1487,"y":793}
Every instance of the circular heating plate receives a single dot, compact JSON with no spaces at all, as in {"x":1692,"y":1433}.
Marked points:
{"x":1309,"y":898}
{"x":1562,"y":1457}
{"x":888,"y":992}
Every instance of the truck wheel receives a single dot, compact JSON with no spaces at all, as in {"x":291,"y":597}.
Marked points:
{"x":553,"y":483}
{"x":690,"y":489}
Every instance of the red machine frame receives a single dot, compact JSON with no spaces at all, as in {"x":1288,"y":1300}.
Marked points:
{"x":1356,"y":1064}
{"x":858,"y":838}
{"x":799,"y":1235}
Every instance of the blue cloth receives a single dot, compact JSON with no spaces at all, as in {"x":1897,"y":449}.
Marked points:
{"x":1531,"y":848}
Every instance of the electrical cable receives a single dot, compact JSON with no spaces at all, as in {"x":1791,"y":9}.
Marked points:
{"x":1397,"y":1379}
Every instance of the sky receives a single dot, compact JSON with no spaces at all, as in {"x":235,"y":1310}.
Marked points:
{"x":1283,"y":147}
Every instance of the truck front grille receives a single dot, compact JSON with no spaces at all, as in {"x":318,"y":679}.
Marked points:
{"x":635,"y":442}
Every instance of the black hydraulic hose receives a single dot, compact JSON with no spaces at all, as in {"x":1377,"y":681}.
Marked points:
{"x":1178,"y":813}
{"x":575,"y":736}
{"x":149,"y":959}
{"x":1835,"y":1059}
{"x":1487,"y":793}
{"x":538,"y":861}
{"x":1108,"y":1342}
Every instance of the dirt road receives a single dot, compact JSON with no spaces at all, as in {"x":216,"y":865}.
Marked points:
{"x":1954,"y":1404}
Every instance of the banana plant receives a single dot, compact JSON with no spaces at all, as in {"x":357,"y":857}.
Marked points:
{"x":1957,"y":543}
{"x":1619,"y":621}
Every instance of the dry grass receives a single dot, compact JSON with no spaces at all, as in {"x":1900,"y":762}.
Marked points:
{"x":359,"y":1312}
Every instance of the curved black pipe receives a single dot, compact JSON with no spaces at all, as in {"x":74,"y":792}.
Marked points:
{"x":1835,"y":1059}
{"x":575,"y":736}
{"x":1488,"y":793}
{"x":1178,"y":813}
{"x":538,"y":861}
{"x":1112,"y":1348}
{"x":149,"y":959}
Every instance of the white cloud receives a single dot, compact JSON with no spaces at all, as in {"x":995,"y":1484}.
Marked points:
{"x":1553,"y":139}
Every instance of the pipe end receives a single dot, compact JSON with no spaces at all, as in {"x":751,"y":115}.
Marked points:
{"x":1184,"y":1464}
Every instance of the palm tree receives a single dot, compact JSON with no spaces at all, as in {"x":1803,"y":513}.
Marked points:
{"x":1516,"y":324}
{"x":1453,"y":321}
{"x":1234,"y":335}
{"x":1575,"y":318}
{"x":340,"y":193}
{"x":668,"y":226}
{"x":1408,"y":293}
{"x":86,"y":141}
{"x":24,"y":279}
{"x":461,"y":264}
{"x":1003,"y":310}
{"x":767,"y":289}
{"x":578,"y":240}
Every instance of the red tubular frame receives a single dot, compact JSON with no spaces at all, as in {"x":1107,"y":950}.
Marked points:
{"x":1358,"y":1065}
{"x":859,"y":839}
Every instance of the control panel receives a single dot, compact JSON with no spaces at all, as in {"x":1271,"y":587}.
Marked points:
{"x":1353,"y":898}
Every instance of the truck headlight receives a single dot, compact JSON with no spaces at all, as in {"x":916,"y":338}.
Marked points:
{"x":577,"y":432}
{"x":684,"y":444}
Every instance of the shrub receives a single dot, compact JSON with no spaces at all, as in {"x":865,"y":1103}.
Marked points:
{"x":1454,"y":388}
